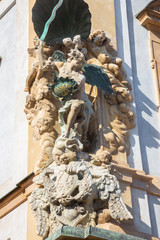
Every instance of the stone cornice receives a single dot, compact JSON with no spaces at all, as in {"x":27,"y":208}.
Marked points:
{"x":150,"y":19}
{"x":137,"y":179}
{"x":17,"y":196}
{"x":132,"y":177}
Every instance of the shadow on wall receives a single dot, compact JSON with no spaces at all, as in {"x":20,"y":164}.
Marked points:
{"x":140,"y":212}
{"x":154,"y":205}
{"x":149,"y":135}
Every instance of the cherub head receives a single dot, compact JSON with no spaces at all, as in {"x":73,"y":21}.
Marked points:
{"x":104,"y":156}
{"x":98,"y":37}
{"x":68,"y":43}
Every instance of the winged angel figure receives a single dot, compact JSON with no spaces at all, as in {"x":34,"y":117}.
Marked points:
{"x":78,"y":105}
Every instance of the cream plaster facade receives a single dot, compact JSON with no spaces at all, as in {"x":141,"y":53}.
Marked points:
{"x":19,"y":153}
{"x":14,"y":67}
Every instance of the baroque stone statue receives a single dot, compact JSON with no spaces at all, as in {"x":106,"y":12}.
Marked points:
{"x":78,"y":105}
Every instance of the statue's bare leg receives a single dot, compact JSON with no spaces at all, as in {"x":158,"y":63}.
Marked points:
{"x":73,"y":113}
{"x":85,"y":131}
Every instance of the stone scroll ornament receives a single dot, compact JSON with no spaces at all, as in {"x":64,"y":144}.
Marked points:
{"x":78,"y":105}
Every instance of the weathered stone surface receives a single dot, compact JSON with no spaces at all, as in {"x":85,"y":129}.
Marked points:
{"x":76,"y":194}
{"x":77,"y":189}
{"x":78,"y":114}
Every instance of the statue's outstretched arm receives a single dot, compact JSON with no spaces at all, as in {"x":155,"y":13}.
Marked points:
{"x":31,"y":76}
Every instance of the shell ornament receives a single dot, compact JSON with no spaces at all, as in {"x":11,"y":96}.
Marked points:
{"x":53,"y":21}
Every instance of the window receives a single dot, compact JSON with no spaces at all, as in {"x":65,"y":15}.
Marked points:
{"x":150,"y":19}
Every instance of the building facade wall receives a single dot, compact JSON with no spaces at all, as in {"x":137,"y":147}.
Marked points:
{"x":17,"y":158}
{"x":7,"y":94}
{"x":13,"y":70}
{"x":133,"y":48}
{"x":14,"y":225}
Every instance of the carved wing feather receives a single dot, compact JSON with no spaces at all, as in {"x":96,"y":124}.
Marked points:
{"x":117,"y":208}
{"x":39,"y":205}
{"x":42,"y":222}
{"x":95,"y":75}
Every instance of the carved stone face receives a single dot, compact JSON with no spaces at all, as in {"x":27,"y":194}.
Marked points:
{"x":43,"y":124}
{"x":99,"y":37}
{"x":67,"y":157}
{"x":68,"y":42}
{"x":104,"y":156}
{"x":30,"y":101}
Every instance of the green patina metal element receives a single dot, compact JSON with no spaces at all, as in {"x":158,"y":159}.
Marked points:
{"x":58,"y":56}
{"x":53,"y":22}
{"x":63,"y":88}
{"x":67,"y":233}
{"x":50,"y":20}
{"x":96,"y":76}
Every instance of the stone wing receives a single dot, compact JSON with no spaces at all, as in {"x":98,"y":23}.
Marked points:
{"x":117,"y":208}
{"x":97,"y":77}
{"x":39,"y":207}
